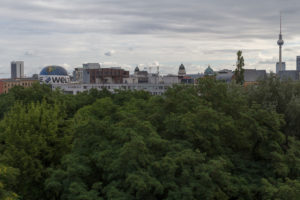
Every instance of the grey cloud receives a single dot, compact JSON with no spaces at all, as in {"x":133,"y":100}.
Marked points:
{"x":29,"y":53}
{"x":63,"y":30}
{"x":110,"y":53}
{"x":142,"y":17}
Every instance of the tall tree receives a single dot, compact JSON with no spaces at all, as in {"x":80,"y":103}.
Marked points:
{"x":33,"y":138}
{"x":239,"y":71}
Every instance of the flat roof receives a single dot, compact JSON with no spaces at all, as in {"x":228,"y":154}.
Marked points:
{"x":18,"y":80}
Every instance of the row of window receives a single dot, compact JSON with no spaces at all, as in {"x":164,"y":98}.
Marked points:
{"x":9,"y":85}
{"x":128,"y":87}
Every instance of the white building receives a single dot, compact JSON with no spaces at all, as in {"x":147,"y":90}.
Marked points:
{"x":170,"y":79}
{"x":74,"y":88}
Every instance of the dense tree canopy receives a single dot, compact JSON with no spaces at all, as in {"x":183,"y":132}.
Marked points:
{"x":209,"y":141}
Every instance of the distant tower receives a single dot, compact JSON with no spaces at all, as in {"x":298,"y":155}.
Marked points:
{"x":280,"y":66}
{"x":17,"y":69}
{"x":298,"y":63}
{"x":181,"y":71}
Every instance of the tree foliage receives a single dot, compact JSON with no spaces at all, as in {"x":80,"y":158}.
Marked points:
{"x":33,"y":137}
{"x":209,"y":141}
{"x":239,"y":71}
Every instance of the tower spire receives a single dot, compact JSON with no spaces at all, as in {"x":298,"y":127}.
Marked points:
{"x":280,"y":22}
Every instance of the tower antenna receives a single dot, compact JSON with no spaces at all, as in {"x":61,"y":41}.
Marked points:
{"x":280,"y":22}
{"x":280,"y":66}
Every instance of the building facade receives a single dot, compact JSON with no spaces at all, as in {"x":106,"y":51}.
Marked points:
{"x":91,"y":66}
{"x":7,"y":84}
{"x":280,"y":67}
{"x":298,"y":63}
{"x":253,"y":76}
{"x":73,"y":88}
{"x":78,"y":75}
{"x":17,"y":69}
{"x":104,"y":76}
{"x":292,"y":75}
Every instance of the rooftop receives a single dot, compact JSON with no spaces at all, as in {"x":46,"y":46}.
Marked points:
{"x":18,"y":80}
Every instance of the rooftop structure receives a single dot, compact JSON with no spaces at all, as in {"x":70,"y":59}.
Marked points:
{"x":91,"y":66}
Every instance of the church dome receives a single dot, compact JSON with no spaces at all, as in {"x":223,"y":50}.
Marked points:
{"x":54,"y":71}
{"x":209,"y":71}
{"x":181,"y":67}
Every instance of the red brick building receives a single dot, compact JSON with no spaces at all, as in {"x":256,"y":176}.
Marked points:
{"x":107,"y":75}
{"x":7,"y":84}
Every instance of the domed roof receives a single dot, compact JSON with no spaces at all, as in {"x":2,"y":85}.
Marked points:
{"x":181,"y":66}
{"x":137,"y":69}
{"x":54,"y":70}
{"x":209,"y":71}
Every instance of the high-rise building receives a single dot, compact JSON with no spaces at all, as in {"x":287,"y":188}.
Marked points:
{"x":280,"y":42}
{"x":17,"y":69}
{"x":298,"y":63}
{"x":282,"y":67}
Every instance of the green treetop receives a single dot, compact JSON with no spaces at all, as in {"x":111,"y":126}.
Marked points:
{"x":239,"y":71}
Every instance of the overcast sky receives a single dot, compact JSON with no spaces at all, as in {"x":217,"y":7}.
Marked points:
{"x":127,"y":33}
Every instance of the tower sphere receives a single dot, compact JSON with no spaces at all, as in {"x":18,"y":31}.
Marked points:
{"x":280,"y":42}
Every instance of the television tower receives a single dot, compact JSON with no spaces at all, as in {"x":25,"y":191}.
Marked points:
{"x":280,"y":42}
